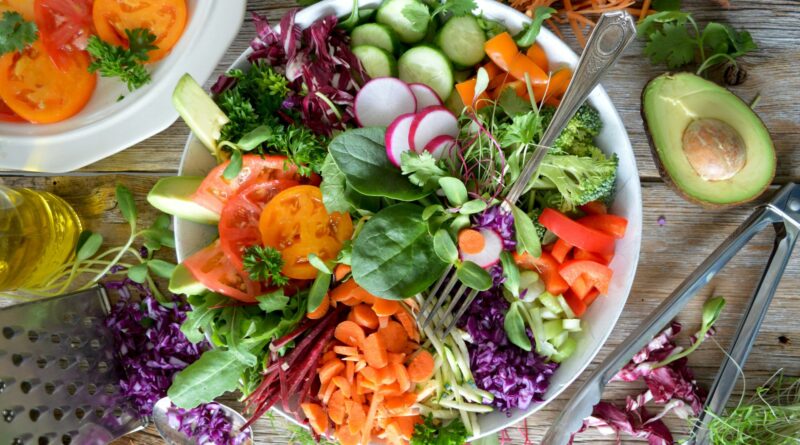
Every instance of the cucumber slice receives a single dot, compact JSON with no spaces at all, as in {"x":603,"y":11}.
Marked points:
{"x":427,"y":65}
{"x":183,"y":282}
{"x":462,"y":40}
{"x":200,"y":112}
{"x":408,"y":18}
{"x":376,"y":62}
{"x":566,"y":350}
{"x":375,"y":34}
{"x":173,"y":195}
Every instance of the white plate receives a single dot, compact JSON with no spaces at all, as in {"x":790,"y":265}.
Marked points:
{"x":107,"y":126}
{"x":601,"y":317}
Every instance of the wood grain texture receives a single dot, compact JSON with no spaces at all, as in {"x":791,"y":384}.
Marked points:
{"x":669,"y":252}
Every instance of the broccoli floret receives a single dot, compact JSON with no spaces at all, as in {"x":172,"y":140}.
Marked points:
{"x":575,"y":180}
{"x":578,"y":136}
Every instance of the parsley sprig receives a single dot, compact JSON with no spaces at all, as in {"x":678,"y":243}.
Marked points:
{"x":674,"y":38}
{"x":16,"y":33}
{"x":264,"y":263}
{"x":125,"y":63}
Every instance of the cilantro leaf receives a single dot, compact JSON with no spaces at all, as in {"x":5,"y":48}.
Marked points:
{"x":432,"y":433}
{"x":540,"y":14}
{"x":456,"y":8}
{"x":264,"y":263}
{"x":125,"y":63}
{"x":417,"y":17}
{"x":421,"y":169}
{"x":16,"y":33}
{"x":672,"y":45}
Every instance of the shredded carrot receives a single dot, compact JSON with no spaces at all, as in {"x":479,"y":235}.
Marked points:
{"x":645,"y":7}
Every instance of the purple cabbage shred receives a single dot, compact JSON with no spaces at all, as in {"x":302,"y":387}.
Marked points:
{"x":502,"y":222}
{"x":206,"y":424}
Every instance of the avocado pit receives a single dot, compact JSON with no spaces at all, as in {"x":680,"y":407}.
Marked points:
{"x":714,"y":149}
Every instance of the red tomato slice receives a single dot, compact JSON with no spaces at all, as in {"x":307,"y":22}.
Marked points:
{"x":238,"y":224}
{"x":575,"y":233}
{"x":609,"y":224}
{"x":215,"y":190}
{"x":64,"y":26}
{"x":592,"y":273}
{"x":8,"y":115}
{"x":547,"y":267}
{"x":212,"y":267}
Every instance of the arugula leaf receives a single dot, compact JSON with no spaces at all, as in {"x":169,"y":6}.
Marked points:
{"x":273,"y":302}
{"x":672,"y":45}
{"x":455,"y":8}
{"x":16,"y":33}
{"x":125,"y":63}
{"x":431,"y":432}
{"x":212,"y":375}
{"x":201,"y":315}
{"x":264,"y":263}
{"x":540,"y":14}
{"x":421,"y":168}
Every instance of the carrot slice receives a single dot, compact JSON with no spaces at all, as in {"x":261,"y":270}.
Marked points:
{"x":392,"y":389}
{"x":399,"y":405}
{"x":341,"y":271}
{"x":537,"y":54}
{"x":346,"y":350}
{"x":501,"y":49}
{"x":343,"y":385}
{"x":356,"y":416}
{"x":383,"y":322}
{"x":396,"y":358}
{"x":371,"y":374}
{"x":329,"y":370}
{"x":336,"y":407}
{"x":321,"y":310}
{"x":403,"y":380}
{"x":375,"y":351}
{"x":350,"y":372}
{"x":386,"y":375}
{"x":368,"y":424}
{"x":329,"y":355}
{"x":329,"y":390}
{"x":385,"y":308}
{"x":349,"y":333}
{"x":345,"y":437}
{"x":316,"y":417}
{"x":350,"y":291}
{"x":409,"y":324}
{"x":394,"y":336}
{"x":522,"y":65}
{"x":364,"y":316}
{"x":421,"y":367}
{"x":406,"y":425}
{"x":471,"y":241}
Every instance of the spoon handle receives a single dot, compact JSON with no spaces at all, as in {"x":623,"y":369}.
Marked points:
{"x":614,"y":31}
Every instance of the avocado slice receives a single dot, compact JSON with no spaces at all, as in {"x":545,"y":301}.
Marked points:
{"x":173,"y":195}
{"x":708,"y":144}
{"x":184,"y":283}
{"x":200,"y":113}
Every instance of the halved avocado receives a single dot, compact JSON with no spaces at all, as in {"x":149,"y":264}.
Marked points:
{"x":707,"y":143}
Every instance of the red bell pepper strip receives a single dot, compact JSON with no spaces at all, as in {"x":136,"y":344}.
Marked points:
{"x":595,"y":274}
{"x":561,"y":250}
{"x":581,"y":287}
{"x":580,"y":254}
{"x":575,"y":303}
{"x":575,"y":233}
{"x":590,"y":297}
{"x":594,"y":208}
{"x":547,"y":267}
{"x":609,"y":224}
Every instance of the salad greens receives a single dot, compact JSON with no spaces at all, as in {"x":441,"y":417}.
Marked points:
{"x":127,"y":63}
{"x":15,"y":32}
{"x":264,"y":264}
{"x":432,"y":433}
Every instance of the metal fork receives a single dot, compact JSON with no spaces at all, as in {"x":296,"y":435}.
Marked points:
{"x":613,"y":33}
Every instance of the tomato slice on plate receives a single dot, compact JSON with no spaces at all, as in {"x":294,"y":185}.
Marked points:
{"x":164,"y":18}
{"x":38,"y":91}
{"x":238,"y":224}
{"x":215,"y":190}
{"x":297,"y":224}
{"x":64,"y":26}
{"x":212,"y":267}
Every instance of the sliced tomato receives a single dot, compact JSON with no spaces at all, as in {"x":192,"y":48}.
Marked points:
{"x":594,"y":208}
{"x":297,"y":224}
{"x":238,"y":223}
{"x":575,"y":233}
{"x":594,"y":274}
{"x":561,"y":250}
{"x":8,"y":115}
{"x":164,"y":18}
{"x":547,"y":267}
{"x":215,"y":190}
{"x":64,"y":26}
{"x":575,"y":303}
{"x":609,"y":224}
{"x":39,"y":91}
{"x":212,"y":267}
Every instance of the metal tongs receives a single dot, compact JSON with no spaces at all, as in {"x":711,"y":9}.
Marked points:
{"x":783,"y":213}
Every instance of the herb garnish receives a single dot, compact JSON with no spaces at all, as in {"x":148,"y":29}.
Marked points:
{"x":428,"y":433}
{"x":456,"y":8}
{"x":16,"y":33}
{"x":264,"y":263}
{"x":125,"y":63}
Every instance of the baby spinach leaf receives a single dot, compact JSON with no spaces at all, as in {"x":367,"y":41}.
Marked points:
{"x":474,"y":276}
{"x":393,"y":256}
{"x":511,"y":272}
{"x":360,"y":155}
{"x":472,"y":207}
{"x":333,"y":187}
{"x":215,"y":373}
{"x":514,"y":326}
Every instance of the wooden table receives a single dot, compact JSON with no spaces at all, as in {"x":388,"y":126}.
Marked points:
{"x":669,"y":251}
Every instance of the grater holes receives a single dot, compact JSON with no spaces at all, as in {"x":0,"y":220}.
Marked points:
{"x":33,"y":336}
{"x":99,"y":412}
{"x":10,"y":414}
{"x":109,"y":389}
{"x":45,"y":440}
{"x":34,"y":414}
{"x":9,"y":332}
{"x":83,"y":365}
{"x":95,"y":344}
{"x":64,"y":362}
{"x":88,"y":322}
{"x":66,"y":439}
{"x":72,"y":389}
{"x":41,"y":362}
{"x":17,"y":359}
{"x":55,"y":338}
{"x":3,"y":385}
{"x":117,"y":412}
{"x":91,"y":389}
{"x":69,"y":318}
{"x":75,"y":342}
{"x":102,"y":367}
{"x":21,"y":440}
{"x":80,"y":413}
{"x":58,"y":414}
{"x":49,"y":388}
{"x":27,"y":385}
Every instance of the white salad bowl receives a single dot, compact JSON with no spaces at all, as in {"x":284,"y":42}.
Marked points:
{"x":107,"y":125}
{"x":600,"y":318}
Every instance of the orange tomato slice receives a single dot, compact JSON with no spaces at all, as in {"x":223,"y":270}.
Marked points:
{"x":296,"y":223}
{"x":164,"y":18}
{"x":24,"y":7}
{"x":38,"y":91}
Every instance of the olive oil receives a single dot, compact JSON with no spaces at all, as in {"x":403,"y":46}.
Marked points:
{"x":38,"y":234}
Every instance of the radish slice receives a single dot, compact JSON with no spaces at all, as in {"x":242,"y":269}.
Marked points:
{"x":430,"y":123}
{"x":490,"y":254}
{"x":425,"y":95}
{"x":382,"y":100}
{"x":441,"y":146}
{"x":397,"y":137}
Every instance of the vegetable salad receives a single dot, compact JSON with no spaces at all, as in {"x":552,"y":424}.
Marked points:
{"x":358,"y":160}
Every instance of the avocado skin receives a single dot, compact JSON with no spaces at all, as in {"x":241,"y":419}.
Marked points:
{"x":665,"y":175}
